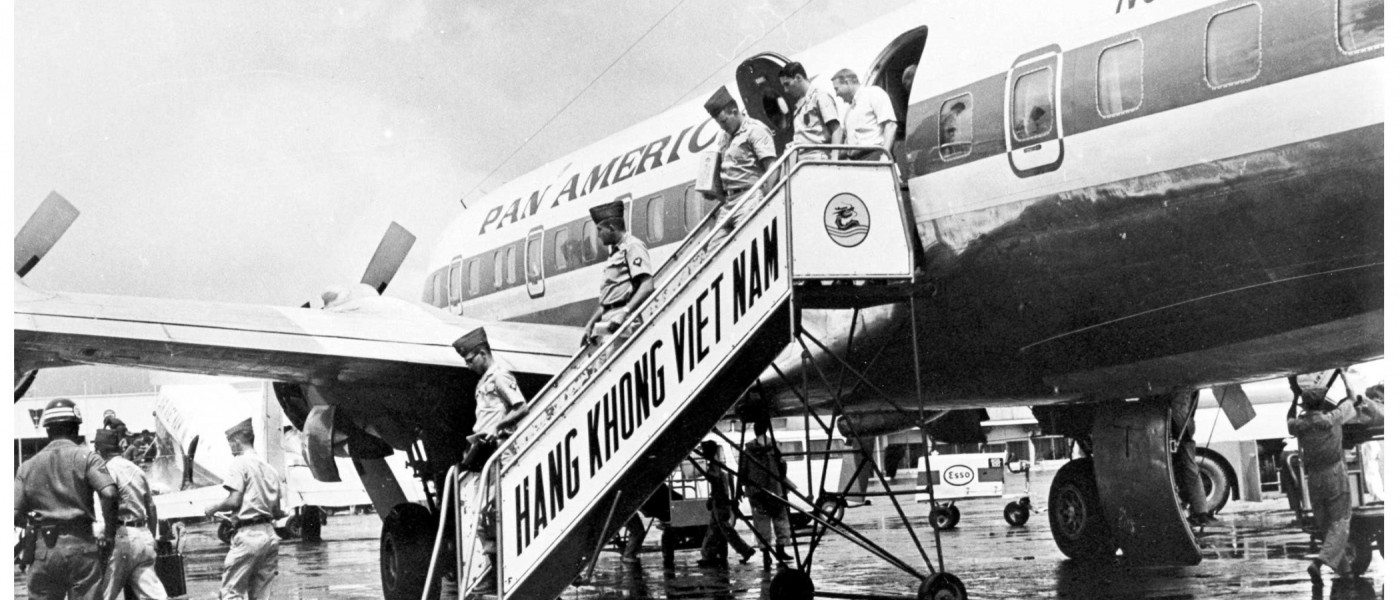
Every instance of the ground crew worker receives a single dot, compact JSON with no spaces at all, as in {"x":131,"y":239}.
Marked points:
{"x":53,"y":495}
{"x":499,"y":406}
{"x":714,"y":550}
{"x":746,"y":152}
{"x":816,"y":119}
{"x":627,"y":276}
{"x":133,"y":559}
{"x":1185,"y":465}
{"x":255,"y":498}
{"x":1319,"y":433}
{"x":764,"y":472}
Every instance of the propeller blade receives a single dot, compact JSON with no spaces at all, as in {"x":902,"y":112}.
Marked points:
{"x":42,"y":231}
{"x":187,"y":478}
{"x":393,"y":248}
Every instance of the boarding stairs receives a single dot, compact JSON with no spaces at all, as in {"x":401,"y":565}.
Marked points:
{"x":605,"y":432}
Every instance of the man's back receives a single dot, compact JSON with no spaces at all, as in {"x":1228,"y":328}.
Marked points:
{"x":58,"y":483}
{"x":260,"y":484}
{"x":132,"y":486}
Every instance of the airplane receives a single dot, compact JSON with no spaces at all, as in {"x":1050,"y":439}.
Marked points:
{"x":1113,"y":203}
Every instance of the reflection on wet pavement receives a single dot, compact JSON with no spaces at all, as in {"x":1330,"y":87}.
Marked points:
{"x":1257,"y":553}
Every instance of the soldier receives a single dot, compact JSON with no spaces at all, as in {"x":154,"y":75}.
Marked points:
{"x":255,"y":498}
{"x":1319,"y":433}
{"x":134,"y":554}
{"x":816,"y":119}
{"x":764,"y":472}
{"x":746,"y":148}
{"x":499,"y":406}
{"x":53,"y":492}
{"x":627,"y":277}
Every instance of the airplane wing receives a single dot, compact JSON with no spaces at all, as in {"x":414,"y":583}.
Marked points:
{"x":373,"y":340}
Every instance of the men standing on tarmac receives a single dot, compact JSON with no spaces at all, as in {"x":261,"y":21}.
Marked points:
{"x":764,"y":474}
{"x":627,"y":277}
{"x":746,"y":149}
{"x":816,"y":119}
{"x":499,"y":406}
{"x":1319,"y":433}
{"x":133,"y":559}
{"x":871,"y":120}
{"x":255,"y":499}
{"x":714,"y":550}
{"x":53,"y":495}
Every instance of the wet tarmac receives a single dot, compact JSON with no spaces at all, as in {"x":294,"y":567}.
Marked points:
{"x":1257,"y":552}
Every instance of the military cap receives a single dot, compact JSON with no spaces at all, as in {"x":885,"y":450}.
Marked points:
{"x":603,"y":212}
{"x":107,"y":440}
{"x":246,"y":425}
{"x":718,"y":101}
{"x":474,"y":339}
{"x":60,"y":410}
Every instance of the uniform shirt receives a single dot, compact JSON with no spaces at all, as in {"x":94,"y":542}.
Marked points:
{"x":718,"y":478}
{"x":740,"y":155}
{"x":1319,"y":435}
{"x":132,"y":487}
{"x":59,"y":481}
{"x":814,"y":111}
{"x":870,"y":109}
{"x":496,"y":394}
{"x":260,"y":483}
{"x":628,"y":260}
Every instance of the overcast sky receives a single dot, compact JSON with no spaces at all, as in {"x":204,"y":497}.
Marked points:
{"x":255,"y":151}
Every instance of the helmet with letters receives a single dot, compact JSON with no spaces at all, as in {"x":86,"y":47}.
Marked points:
{"x":60,"y":410}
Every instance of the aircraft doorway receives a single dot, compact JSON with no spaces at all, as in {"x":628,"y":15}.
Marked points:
{"x":888,"y":73}
{"x":762,"y":95}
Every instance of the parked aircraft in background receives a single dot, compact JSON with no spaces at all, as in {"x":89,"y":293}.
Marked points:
{"x":1113,"y":201}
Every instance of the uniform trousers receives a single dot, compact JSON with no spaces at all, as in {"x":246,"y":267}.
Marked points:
{"x":721,"y":534}
{"x":251,"y":564}
{"x":133,"y":563}
{"x":770,"y":518}
{"x":70,"y":568}
{"x":1331,"y":501}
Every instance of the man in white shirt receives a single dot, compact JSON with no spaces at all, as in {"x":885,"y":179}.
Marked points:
{"x":871,"y":120}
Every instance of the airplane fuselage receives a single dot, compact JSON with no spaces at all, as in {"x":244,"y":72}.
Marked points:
{"x":1117,"y":201}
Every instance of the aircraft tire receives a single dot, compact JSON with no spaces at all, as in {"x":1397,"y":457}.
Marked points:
{"x":942,"y":586}
{"x":1360,"y":551}
{"x":312,"y":518}
{"x":1077,"y":519}
{"x":832,"y":509}
{"x":1016,"y":514}
{"x":1216,"y":482}
{"x":791,"y":584}
{"x":405,"y":549}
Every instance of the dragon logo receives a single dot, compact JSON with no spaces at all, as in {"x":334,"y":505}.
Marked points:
{"x":847,"y":220}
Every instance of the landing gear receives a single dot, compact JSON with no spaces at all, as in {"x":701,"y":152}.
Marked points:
{"x":942,"y":586}
{"x":832,"y":508}
{"x":1076,"y":518}
{"x":405,"y":549}
{"x":945,"y":516}
{"x":791,"y":584}
{"x":1215,"y":481}
{"x":1018,"y":512}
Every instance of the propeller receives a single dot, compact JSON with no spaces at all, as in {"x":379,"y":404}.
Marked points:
{"x":42,"y":231}
{"x":187,"y":478}
{"x":388,"y":257}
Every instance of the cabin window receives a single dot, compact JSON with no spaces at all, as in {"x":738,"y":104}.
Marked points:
{"x":1033,"y":105}
{"x":561,"y":250}
{"x":590,"y":241}
{"x":454,"y":285}
{"x":498,"y":274}
{"x":1360,"y":24}
{"x":656,"y":219}
{"x":1120,"y":78}
{"x":510,"y":265}
{"x":439,"y":289}
{"x":534,"y":259}
{"x":955,"y":127}
{"x":1232,"y":46}
{"x":694,"y":207}
{"x":473,"y":278}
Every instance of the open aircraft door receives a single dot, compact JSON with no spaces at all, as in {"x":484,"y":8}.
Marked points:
{"x":762,"y":95}
{"x":1033,"y":127}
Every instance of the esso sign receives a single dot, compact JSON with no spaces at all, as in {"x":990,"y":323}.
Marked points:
{"x":958,"y":475}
